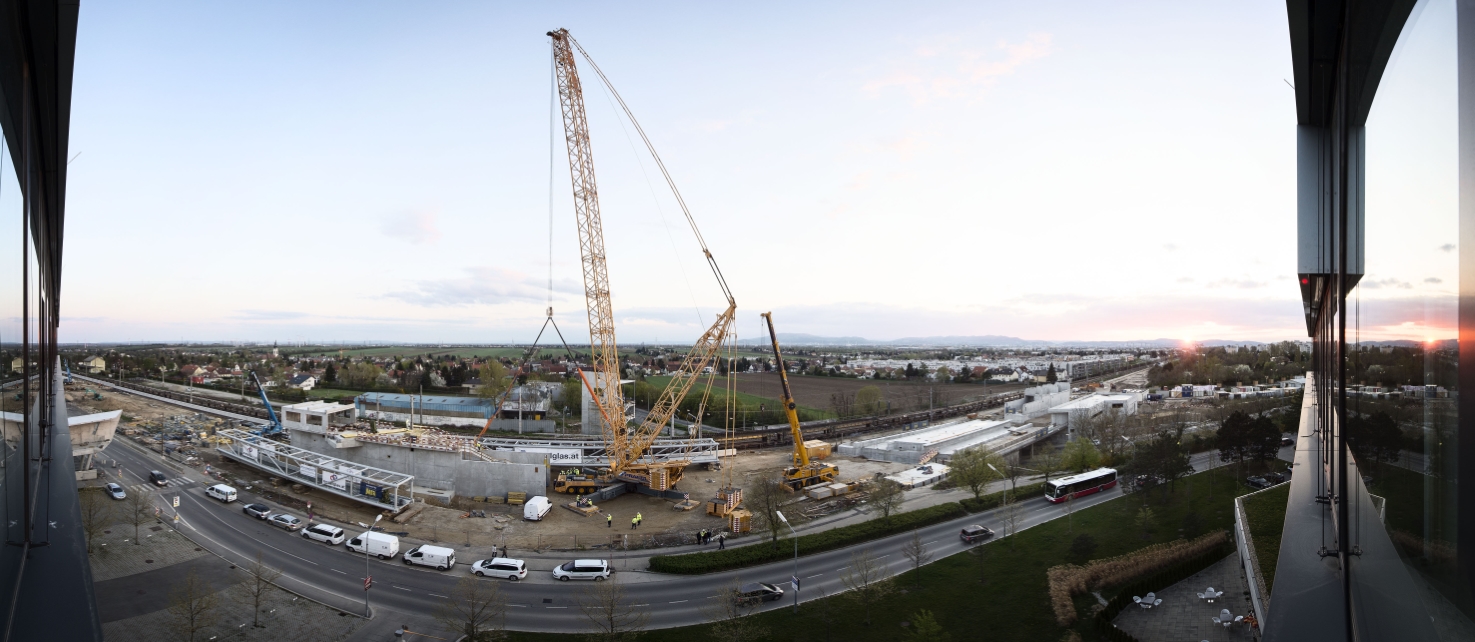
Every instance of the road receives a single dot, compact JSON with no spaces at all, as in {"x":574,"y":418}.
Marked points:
{"x":334,"y":576}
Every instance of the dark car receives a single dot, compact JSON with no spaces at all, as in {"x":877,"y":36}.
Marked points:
{"x":157,"y":478}
{"x":758,"y":592}
{"x":974,"y":532}
{"x":1276,"y":478}
{"x":258,"y":511}
{"x":1256,"y":481}
{"x":1287,"y":441}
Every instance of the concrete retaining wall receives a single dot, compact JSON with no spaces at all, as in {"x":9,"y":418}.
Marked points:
{"x":447,"y":471}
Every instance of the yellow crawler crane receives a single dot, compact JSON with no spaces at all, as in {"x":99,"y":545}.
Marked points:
{"x":804,"y":472}
{"x":626,"y":447}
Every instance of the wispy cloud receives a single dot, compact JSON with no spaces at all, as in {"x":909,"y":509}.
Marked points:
{"x":1447,"y":247}
{"x":944,"y":71}
{"x":483,"y":286}
{"x":267,"y":315}
{"x":1378,"y":284}
{"x":418,"y":227}
{"x":1434,"y":279}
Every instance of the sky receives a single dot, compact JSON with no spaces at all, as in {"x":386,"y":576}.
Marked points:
{"x":380,"y":171}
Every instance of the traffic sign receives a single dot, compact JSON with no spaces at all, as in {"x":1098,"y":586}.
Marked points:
{"x":176,"y":501}
{"x":368,"y":581}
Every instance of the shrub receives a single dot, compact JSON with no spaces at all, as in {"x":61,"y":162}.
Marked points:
{"x":1068,"y":580}
{"x":992,"y":500}
{"x":761,"y":553}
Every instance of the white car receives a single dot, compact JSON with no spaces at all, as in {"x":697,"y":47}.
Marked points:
{"x":438,"y":557}
{"x":500,"y":567}
{"x":324,"y":533}
{"x":284,"y":520}
{"x":582,"y":570}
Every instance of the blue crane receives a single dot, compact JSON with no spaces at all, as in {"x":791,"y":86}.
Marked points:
{"x":69,"y":371}
{"x":276,"y":425}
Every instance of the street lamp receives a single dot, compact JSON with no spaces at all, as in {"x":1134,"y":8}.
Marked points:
{"x":795,"y":577}
{"x":367,"y":580}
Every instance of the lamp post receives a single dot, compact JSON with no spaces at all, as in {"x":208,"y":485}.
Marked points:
{"x":367,"y":580}
{"x":795,"y":577}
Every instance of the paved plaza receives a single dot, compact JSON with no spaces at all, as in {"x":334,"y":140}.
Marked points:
{"x":1184,"y":617}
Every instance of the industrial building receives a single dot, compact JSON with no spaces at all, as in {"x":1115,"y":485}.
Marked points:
{"x":422,"y":410}
{"x":941,"y":442}
{"x":1074,"y":414}
{"x":1037,"y":401}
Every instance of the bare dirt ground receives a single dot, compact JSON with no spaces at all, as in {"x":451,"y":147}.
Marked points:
{"x":134,"y":408}
{"x":816,"y":392}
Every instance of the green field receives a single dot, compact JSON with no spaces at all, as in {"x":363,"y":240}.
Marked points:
{"x":1266,"y":514}
{"x":806,"y":413}
{"x":998,"y":588}
{"x":332,"y":394}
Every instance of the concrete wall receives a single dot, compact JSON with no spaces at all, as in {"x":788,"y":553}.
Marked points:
{"x":528,"y":425}
{"x":440,"y":470}
{"x":1039,"y":400}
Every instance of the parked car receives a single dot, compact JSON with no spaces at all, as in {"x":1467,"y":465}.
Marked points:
{"x":158,"y":479}
{"x":582,"y":570}
{"x":259,"y":511}
{"x":380,"y":545}
{"x":285,"y":521}
{"x":324,"y":533}
{"x":536,"y":508}
{"x":973,"y":533}
{"x":222,"y":492}
{"x":1276,"y":478}
{"x":1287,"y":441}
{"x":758,"y":592}
{"x":438,"y":557}
{"x":115,"y":491}
{"x":1256,"y":481}
{"x":500,"y":567}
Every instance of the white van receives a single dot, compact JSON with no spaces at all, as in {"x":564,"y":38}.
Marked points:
{"x":439,"y":557}
{"x":582,"y":570}
{"x":324,"y":533}
{"x":536,"y":508}
{"x":381,"y":545}
{"x":222,"y":492}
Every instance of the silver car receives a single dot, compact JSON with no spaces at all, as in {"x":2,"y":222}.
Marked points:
{"x":285,"y":521}
{"x":115,"y":491}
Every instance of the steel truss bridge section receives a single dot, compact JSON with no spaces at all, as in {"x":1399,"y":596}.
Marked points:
{"x":373,"y":486}
{"x":594,"y":453}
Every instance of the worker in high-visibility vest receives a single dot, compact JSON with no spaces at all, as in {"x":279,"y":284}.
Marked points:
{"x":609,"y":518}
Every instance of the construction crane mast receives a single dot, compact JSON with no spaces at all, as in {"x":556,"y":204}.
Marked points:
{"x":626,"y":447}
{"x":804,"y":472}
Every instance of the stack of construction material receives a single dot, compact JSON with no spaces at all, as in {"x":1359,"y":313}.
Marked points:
{"x":516,"y":498}
{"x":818,"y":448}
{"x":741,"y":521}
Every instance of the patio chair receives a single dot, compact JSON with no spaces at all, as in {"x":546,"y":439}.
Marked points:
{"x":1157,"y":602}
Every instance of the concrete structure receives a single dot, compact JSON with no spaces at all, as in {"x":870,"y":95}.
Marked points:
{"x":591,"y":422}
{"x":362,"y":483}
{"x":318,"y":414}
{"x":576,"y":452}
{"x":1074,"y":414}
{"x":945,"y":440}
{"x":90,"y":434}
{"x":467,"y":412}
{"x":919,"y":476}
{"x":1089,"y":367}
{"x":1037,"y":401}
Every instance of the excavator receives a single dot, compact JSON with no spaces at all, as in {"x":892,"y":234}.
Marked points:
{"x":804,"y":472}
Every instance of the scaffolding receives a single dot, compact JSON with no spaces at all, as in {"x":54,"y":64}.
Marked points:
{"x":593,"y":453}
{"x":374,"y":486}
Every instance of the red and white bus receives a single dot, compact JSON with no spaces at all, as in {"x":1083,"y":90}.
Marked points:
{"x":1094,"y":481}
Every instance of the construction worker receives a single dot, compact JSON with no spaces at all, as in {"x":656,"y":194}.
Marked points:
{"x":609,"y":519}
{"x":634,"y":522}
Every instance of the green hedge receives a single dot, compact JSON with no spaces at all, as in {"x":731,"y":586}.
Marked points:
{"x":763,"y":553}
{"x":993,"y":500}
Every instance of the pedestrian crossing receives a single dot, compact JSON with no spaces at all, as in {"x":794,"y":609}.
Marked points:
{"x":145,"y":488}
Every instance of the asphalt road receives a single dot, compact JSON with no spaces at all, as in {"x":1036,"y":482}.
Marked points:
{"x":334,"y":576}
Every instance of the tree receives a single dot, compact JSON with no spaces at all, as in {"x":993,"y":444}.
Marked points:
{"x":868,"y":401}
{"x":138,"y":509}
{"x":97,"y":513}
{"x":971,"y":468}
{"x":1375,"y":438}
{"x":1233,"y":438}
{"x":1262,"y":440}
{"x":1070,"y":511}
{"x":1146,"y":520}
{"x":1050,"y":375}
{"x":729,"y":615}
{"x":1165,"y":459}
{"x":763,"y":497}
{"x":1080,"y":455}
{"x":926,"y":629}
{"x":1010,"y":511}
{"x":943,"y":374}
{"x":256,"y":587}
{"x":917,"y":553}
{"x":1048,"y":464}
{"x":493,"y":379}
{"x":887,"y":496}
{"x":476,"y":609}
{"x":330,"y":374}
{"x":192,"y":606}
{"x":866,"y":580}
{"x":611,"y":616}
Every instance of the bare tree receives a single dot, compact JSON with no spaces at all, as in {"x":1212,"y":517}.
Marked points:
{"x":97,"y":513}
{"x":763,"y":497}
{"x":138,"y":509}
{"x":611,"y":617}
{"x":866,"y":579}
{"x":918,"y":554}
{"x":1070,"y":508}
{"x":257,"y":586}
{"x":192,"y":606}
{"x":823,"y":612}
{"x":476,"y":609}
{"x":729,"y":612}
{"x":887,"y":496}
{"x":1009,"y":511}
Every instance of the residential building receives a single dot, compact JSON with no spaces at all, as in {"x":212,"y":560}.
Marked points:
{"x":302,"y":382}
{"x":94,"y":365}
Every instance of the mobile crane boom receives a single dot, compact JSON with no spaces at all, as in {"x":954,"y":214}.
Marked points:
{"x":804,"y":472}
{"x":276,"y":425}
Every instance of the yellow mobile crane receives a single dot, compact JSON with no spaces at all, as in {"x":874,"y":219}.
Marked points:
{"x":804,"y":472}
{"x":625,"y":446}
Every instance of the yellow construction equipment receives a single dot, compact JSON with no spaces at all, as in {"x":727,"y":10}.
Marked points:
{"x":804,"y":472}
{"x":626,"y":447}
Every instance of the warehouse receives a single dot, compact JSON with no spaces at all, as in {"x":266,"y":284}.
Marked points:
{"x":422,"y":410}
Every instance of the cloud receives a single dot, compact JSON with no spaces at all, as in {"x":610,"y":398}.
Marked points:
{"x":1434,"y":279}
{"x":417,"y":227}
{"x":483,"y":286}
{"x":1447,"y":247}
{"x":1378,"y":284}
{"x":1170,"y":247}
{"x":267,"y":315}
{"x":1240,"y":284}
{"x":942,"y":71}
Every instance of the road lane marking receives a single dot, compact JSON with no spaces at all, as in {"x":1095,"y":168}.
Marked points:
{"x":197,"y":502}
{"x":639,"y":605}
{"x":441,"y":596}
{"x":523,"y":606}
{"x":400,"y":588}
{"x":337,"y":571}
{"x":931,"y":542}
{"x":676,"y":602}
{"x":809,"y":577}
{"x":555,"y":607}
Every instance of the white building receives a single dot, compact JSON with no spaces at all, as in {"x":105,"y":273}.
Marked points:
{"x":1072,"y":414}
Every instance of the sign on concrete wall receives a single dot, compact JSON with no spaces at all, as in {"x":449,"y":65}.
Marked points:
{"x":310,"y":472}
{"x":249,"y":451}
{"x":336,"y":480}
{"x":557,"y":456}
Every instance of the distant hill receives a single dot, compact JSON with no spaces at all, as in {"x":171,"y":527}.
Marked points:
{"x":984,"y":341}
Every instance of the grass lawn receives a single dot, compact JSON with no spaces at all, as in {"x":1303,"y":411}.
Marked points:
{"x":1266,"y":513}
{"x":998,"y":590}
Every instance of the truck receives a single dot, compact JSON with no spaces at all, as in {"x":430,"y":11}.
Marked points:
{"x":536,"y":508}
{"x":380,"y":545}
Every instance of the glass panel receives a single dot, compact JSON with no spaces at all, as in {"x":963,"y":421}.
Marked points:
{"x":12,"y":244}
{"x":1402,"y":370}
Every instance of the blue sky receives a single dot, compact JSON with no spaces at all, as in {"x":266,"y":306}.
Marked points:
{"x":380,"y":171}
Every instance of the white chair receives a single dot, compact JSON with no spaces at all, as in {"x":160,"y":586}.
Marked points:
{"x":1157,"y":602}
{"x":1200,"y":595}
{"x":1226,"y":618}
{"x":1137,"y":599}
{"x":1216,"y":620}
{"x":1238,"y":619}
